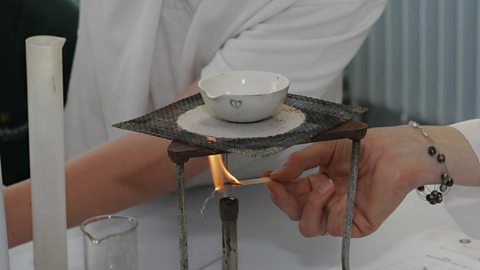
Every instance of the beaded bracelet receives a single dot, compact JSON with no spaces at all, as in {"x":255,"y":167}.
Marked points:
{"x":434,"y":196}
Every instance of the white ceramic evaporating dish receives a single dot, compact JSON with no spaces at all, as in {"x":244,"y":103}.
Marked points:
{"x":244,"y":96}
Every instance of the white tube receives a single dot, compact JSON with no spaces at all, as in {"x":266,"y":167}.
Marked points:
{"x":4,"y":261}
{"x":47,"y":158}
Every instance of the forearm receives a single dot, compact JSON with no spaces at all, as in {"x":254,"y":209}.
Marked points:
{"x":108,"y":178}
{"x":461,"y":161}
{"x":111,"y":177}
{"x":405,"y":149}
{"x":121,"y":173}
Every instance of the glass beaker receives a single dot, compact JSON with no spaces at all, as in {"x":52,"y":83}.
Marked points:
{"x":110,"y":242}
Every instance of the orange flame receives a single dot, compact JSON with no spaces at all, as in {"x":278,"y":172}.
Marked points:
{"x":220,"y":173}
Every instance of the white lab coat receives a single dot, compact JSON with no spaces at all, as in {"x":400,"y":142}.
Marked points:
{"x":136,"y":56}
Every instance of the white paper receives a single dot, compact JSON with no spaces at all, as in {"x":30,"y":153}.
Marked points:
{"x":47,"y":157}
{"x":4,"y":259}
{"x":463,"y":204}
{"x":440,"y":248}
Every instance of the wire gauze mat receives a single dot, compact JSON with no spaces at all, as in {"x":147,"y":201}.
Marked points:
{"x":320,"y":115}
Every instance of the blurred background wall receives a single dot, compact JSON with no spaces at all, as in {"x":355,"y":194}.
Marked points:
{"x":420,"y":62}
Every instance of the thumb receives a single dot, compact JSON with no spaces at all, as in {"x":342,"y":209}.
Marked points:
{"x":316,"y":154}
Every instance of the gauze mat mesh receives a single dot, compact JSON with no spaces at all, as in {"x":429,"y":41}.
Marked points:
{"x":319,"y":116}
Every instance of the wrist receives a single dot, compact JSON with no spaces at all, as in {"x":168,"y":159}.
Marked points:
{"x":405,"y":151}
{"x":434,"y":195}
{"x":424,"y":164}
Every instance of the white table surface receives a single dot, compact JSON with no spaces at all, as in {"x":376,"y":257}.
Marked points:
{"x":267,"y":238}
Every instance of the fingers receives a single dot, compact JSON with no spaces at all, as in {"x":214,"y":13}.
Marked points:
{"x":266,"y":173}
{"x":313,"y":221}
{"x":284,"y":200}
{"x":336,"y":217}
{"x":291,"y":197}
{"x":361,"y":225}
{"x":310,"y":157}
{"x":305,"y":207}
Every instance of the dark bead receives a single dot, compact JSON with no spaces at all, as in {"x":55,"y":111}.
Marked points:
{"x":432,"y":202}
{"x":441,"y":158}
{"x":421,"y":188}
{"x":432,"y":150}
{"x":449,"y":182}
{"x":430,"y":197}
{"x":439,"y":199}
{"x":445,"y":177}
{"x":435,"y":193}
{"x":443,"y":187}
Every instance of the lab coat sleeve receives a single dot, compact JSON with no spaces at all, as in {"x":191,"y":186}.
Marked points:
{"x":463,"y":202}
{"x":471,"y":130}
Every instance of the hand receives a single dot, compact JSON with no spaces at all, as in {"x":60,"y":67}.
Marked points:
{"x":393,"y":161}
